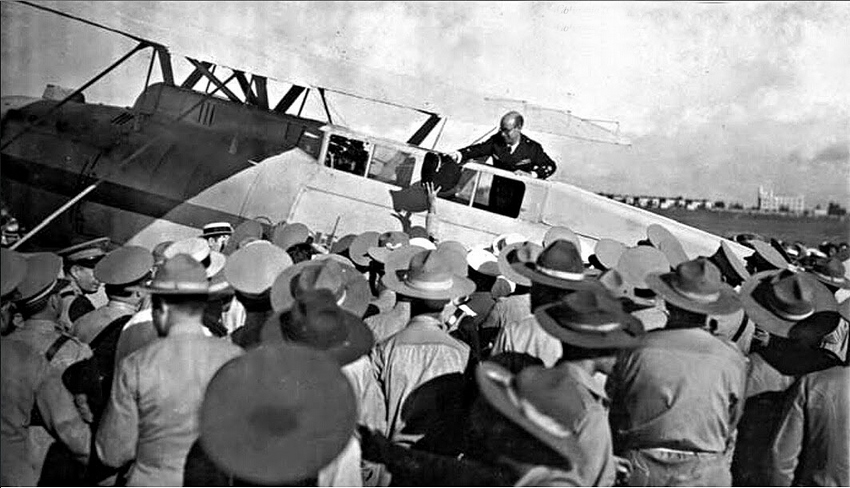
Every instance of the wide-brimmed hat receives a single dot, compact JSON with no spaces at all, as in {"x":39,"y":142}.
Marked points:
{"x":358,"y":251}
{"x":288,"y":235}
{"x":778,"y":300}
{"x":387,"y":243}
{"x":86,"y":253}
{"x":729,"y":262}
{"x":636,"y":263}
{"x":277,"y":415}
{"x":342,"y":244}
{"x":483,"y":261}
{"x":608,"y":252}
{"x":830,"y":271}
{"x":215,"y":229}
{"x":542,"y":401}
{"x":695,"y":286}
{"x":663,"y":239}
{"x":454,"y":253}
{"x":558,"y":265}
{"x":511,"y":253}
{"x":349,"y":287}
{"x":334,"y":257}
{"x":315,"y":320}
{"x":199,"y":250}
{"x":592,"y":319}
{"x":558,"y":232}
{"x":253,"y":269}
{"x":13,"y":269}
{"x":427,"y":275}
{"x":41,"y":279}
{"x":504,"y":240}
{"x":767,"y":257}
{"x":124,"y":265}
{"x":180,"y":275}
{"x":248,"y":230}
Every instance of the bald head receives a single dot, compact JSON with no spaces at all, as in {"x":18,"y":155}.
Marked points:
{"x":510,"y":127}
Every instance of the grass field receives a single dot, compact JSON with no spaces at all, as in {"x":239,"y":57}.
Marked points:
{"x":809,"y":230}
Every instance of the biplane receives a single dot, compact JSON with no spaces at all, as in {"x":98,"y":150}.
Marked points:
{"x":182,"y":156}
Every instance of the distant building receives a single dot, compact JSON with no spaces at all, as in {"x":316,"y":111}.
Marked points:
{"x":768,"y":202}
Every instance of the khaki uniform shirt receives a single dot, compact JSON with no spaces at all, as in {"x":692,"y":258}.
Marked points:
{"x":528,"y":336}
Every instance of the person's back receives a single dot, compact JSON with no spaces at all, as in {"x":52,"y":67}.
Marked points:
{"x":811,"y":448}
{"x":678,"y":390}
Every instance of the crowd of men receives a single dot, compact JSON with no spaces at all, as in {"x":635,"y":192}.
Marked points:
{"x":258,"y":356}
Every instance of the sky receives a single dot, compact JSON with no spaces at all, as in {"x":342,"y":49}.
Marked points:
{"x":716,"y":99}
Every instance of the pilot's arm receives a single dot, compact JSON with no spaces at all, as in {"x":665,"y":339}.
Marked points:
{"x":475,"y":151}
{"x":542,"y":165}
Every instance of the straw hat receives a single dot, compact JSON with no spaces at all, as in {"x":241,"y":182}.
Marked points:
{"x":215,"y":229}
{"x":199,"y":250}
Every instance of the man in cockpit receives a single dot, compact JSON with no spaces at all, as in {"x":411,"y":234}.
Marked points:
{"x":511,"y":151}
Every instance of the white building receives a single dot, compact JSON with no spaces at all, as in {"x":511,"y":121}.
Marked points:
{"x":768,"y":202}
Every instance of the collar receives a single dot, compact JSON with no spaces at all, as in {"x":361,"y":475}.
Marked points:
{"x":117,"y":304}
{"x":44,"y":324}
{"x":585,"y":379}
{"x":425,"y":321}
{"x":186,"y":328}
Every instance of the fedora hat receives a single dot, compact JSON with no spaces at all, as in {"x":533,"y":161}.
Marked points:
{"x":315,"y":320}
{"x":349,"y":287}
{"x":542,"y":401}
{"x":180,"y":275}
{"x":608,"y":252}
{"x":558,"y":265}
{"x":248,"y":230}
{"x":41,"y":279}
{"x":277,"y":415}
{"x":767,"y":257}
{"x":358,"y":251}
{"x":830,"y":271}
{"x":215,"y":229}
{"x":455,"y":254}
{"x":199,"y":250}
{"x":695,"y":286}
{"x":729,"y":262}
{"x":85,"y":253}
{"x":388,"y":242}
{"x":442,"y":171}
{"x":782,"y":301}
{"x":664,"y":240}
{"x":504,"y":240}
{"x":342,"y":244}
{"x":592,"y":319}
{"x":288,"y":235}
{"x":253,"y":269}
{"x":412,"y":199}
{"x":528,"y":250}
{"x":13,"y":269}
{"x":483,"y":261}
{"x":558,"y":232}
{"x":124,"y":265}
{"x":426,"y":275}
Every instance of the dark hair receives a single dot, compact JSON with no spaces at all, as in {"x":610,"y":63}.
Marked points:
{"x":303,"y":251}
{"x":188,"y":304}
{"x":576,"y":353}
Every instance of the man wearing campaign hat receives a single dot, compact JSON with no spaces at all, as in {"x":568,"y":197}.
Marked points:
{"x":676,"y":399}
{"x":217,"y":234}
{"x":141,"y":423}
{"x":78,"y":262}
{"x":517,"y":305}
{"x":423,"y":350}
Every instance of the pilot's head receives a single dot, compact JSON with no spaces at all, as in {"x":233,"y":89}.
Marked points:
{"x":510,"y":127}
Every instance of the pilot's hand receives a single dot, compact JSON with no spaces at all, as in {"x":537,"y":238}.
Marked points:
{"x":456,"y":156}
{"x":520,"y":172}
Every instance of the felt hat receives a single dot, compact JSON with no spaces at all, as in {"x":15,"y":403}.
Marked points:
{"x":592,"y":319}
{"x":830,"y":271}
{"x":729,"y":262}
{"x":427,"y":275}
{"x":608,"y":252}
{"x":315,"y":320}
{"x":334,"y":257}
{"x":388,"y":242}
{"x":767,"y":257}
{"x":455,"y":255}
{"x":696,"y":286}
{"x":253,"y":269}
{"x":13,"y":269}
{"x":358,"y":251}
{"x":41,"y":279}
{"x":412,"y":199}
{"x":504,"y":240}
{"x":199,"y":250}
{"x":528,"y":250}
{"x":246,"y":231}
{"x":342,"y":244}
{"x":636,"y":263}
{"x":558,"y":232}
{"x":483,"y":261}
{"x":558,"y":265}
{"x":542,"y":401}
{"x":215,"y":229}
{"x":180,"y":275}
{"x":124,"y":265}
{"x":277,"y":415}
{"x":348,"y":286}
{"x":665,"y":241}
{"x":783,"y":302}
{"x":442,"y":171}
{"x":286,"y":235}
{"x":85,"y":253}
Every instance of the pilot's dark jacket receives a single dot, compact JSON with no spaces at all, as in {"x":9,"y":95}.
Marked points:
{"x":505,"y":194}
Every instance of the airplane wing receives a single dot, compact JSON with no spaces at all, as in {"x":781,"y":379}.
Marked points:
{"x":206,"y":31}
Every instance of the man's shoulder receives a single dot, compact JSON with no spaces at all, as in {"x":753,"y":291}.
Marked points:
{"x":531,"y":143}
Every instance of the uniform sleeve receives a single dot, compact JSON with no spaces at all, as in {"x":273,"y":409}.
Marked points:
{"x":118,"y":432}
{"x":543,"y":164}
{"x":372,"y":400}
{"x":788,"y":441}
{"x":61,"y":417}
{"x":478,"y":150}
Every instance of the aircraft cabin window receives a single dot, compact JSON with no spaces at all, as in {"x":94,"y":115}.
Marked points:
{"x":391,"y":166}
{"x":349,"y":155}
{"x":478,"y":187}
